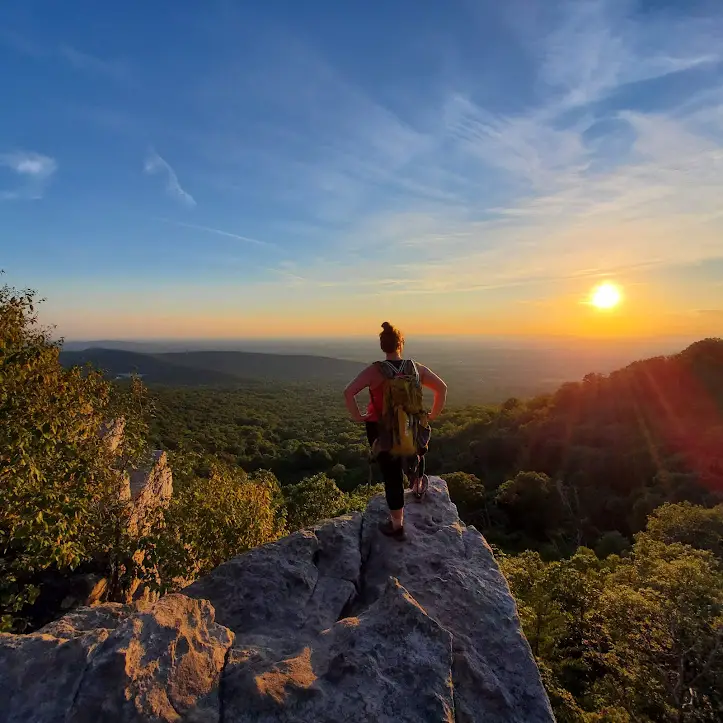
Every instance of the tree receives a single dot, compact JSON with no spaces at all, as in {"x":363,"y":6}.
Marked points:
{"x":311,"y":500}
{"x":217,"y":512}
{"x":611,"y":543}
{"x":534,"y":585}
{"x":467,"y":492}
{"x":690,"y":524}
{"x":663,"y":621}
{"x":636,"y":638}
{"x":533,"y":502}
{"x":59,"y":478}
{"x":318,"y":498}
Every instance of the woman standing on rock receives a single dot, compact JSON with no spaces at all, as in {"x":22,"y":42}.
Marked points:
{"x":396,"y":422}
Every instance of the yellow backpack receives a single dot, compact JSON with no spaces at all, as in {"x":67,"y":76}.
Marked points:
{"x":404,"y":428}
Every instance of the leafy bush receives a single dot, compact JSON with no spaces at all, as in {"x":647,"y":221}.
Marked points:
{"x":611,"y":543}
{"x":59,"y":479}
{"x":217,"y":512}
{"x":318,"y":498}
{"x":467,"y":492}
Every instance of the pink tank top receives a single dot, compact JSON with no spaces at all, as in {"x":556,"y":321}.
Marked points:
{"x":375,"y":406}
{"x":376,"y":400}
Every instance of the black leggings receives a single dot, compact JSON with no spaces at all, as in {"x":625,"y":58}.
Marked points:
{"x":393,"y":470}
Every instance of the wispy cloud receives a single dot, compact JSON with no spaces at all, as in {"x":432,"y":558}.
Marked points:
{"x":591,"y":146}
{"x":288,"y":276}
{"x":32,"y":173}
{"x":598,"y":46}
{"x":574,"y":184}
{"x":219,"y":232}
{"x":155,"y":165}
{"x":115,"y":69}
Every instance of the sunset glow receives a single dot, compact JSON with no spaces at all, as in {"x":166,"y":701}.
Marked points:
{"x":248,"y":181}
{"x":605,"y":296}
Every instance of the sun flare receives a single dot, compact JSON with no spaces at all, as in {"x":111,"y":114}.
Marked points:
{"x":605,"y":296}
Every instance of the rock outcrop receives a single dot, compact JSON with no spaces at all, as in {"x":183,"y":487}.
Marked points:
{"x":144,"y":489}
{"x":148,"y":489}
{"x":330,"y":624}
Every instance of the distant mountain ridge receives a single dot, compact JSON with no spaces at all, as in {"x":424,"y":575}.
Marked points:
{"x":198,"y":368}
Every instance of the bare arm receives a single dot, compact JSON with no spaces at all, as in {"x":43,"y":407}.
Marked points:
{"x":362,"y":381}
{"x":430,"y":380}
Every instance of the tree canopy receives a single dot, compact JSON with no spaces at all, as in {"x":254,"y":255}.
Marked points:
{"x":603,"y":501}
{"x":59,"y":477}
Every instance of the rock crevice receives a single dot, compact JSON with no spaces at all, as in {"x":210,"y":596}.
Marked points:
{"x":328,"y":624}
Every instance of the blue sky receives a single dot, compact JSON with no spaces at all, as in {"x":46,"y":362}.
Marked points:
{"x":230,"y":169}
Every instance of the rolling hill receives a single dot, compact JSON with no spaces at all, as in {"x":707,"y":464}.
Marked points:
{"x":213,"y":368}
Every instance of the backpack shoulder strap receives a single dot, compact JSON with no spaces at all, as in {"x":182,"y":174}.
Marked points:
{"x":387,"y":369}
{"x":414,"y":371}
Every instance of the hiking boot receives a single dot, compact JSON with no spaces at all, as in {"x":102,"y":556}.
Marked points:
{"x":387,"y":529}
{"x":420,"y":487}
{"x":423,"y":486}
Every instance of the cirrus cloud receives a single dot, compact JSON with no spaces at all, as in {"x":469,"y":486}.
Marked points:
{"x":154,"y":165}
{"x":31,"y":174}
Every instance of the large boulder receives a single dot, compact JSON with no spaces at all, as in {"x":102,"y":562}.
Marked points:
{"x":449,"y":569}
{"x":330,"y":624}
{"x":390,"y":665}
{"x":302,"y":582}
{"x":164,"y":664}
{"x":41,"y":672}
{"x":146,"y":663}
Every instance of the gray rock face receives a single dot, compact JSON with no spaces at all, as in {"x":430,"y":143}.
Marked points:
{"x":302,"y":582}
{"x":117,"y":663}
{"x":148,"y":489}
{"x":335,"y":623}
{"x":451,"y":572}
{"x":162,"y":664}
{"x":41,"y":672}
{"x":390,"y":664}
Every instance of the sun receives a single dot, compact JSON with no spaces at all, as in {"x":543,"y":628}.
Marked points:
{"x":605,"y":296}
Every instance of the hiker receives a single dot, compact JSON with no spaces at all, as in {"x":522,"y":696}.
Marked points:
{"x":397,"y":425}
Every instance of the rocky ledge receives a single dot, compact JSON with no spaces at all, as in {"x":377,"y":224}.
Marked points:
{"x":335,"y":623}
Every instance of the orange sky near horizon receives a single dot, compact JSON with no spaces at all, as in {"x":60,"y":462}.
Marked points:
{"x":566,"y":315}
{"x":682,"y":301}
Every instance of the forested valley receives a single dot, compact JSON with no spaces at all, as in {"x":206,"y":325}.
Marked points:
{"x":603,"y":502}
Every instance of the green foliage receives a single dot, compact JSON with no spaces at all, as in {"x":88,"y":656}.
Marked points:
{"x":616,"y":447}
{"x":478,"y":506}
{"x":216,"y":512}
{"x":663,"y":613}
{"x":534,"y":503}
{"x":294,"y":430}
{"x":640,"y":636}
{"x":563,"y":702}
{"x":690,"y":524}
{"x":611,"y":543}
{"x":468,"y":493}
{"x":358,"y":499}
{"x":311,"y":500}
{"x":318,"y":498}
{"x":58,"y":478}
